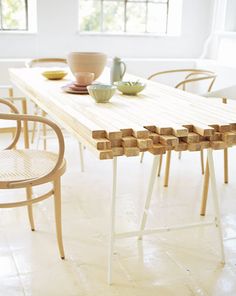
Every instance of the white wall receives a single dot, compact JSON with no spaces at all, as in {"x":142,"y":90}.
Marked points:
{"x":57,"y":35}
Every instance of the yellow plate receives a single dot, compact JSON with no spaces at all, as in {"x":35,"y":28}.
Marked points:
{"x":54,"y":75}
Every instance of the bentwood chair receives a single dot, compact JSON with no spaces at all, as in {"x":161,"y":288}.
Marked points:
{"x":8,"y":126}
{"x":45,"y":63}
{"x":28,"y":168}
{"x":190,"y":79}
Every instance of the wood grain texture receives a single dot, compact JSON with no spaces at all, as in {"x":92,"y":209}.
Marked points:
{"x":159,"y":119}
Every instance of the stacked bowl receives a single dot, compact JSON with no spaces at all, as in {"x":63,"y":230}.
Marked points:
{"x":93,"y":62}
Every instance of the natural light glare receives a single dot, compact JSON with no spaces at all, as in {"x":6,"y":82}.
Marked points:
{"x":18,"y":15}
{"x":175,"y":17}
{"x":162,"y":17}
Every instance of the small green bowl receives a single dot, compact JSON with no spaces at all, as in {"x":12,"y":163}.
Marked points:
{"x":130,"y":88}
{"x":101,"y":93}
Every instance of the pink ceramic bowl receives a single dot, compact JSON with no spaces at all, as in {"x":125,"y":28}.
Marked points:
{"x":84,"y":78}
{"x":87,"y":62}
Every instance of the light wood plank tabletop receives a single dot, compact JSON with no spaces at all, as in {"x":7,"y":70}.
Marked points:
{"x":158,"y":119}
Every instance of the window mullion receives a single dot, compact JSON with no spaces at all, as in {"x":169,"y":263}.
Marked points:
{"x":125,"y":15}
{"x":167,"y":15}
{"x":26,"y":15}
{"x":102,"y":14}
{"x":1,"y":23}
{"x":146,"y":16}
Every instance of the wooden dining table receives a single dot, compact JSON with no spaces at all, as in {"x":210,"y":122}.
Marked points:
{"x":159,"y":119}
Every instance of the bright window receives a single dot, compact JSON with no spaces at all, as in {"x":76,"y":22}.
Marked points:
{"x":13,"y":15}
{"x":128,"y":16}
{"x":17,"y":15}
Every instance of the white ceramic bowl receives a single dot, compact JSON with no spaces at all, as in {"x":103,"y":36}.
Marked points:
{"x":101,"y":93}
{"x":93,"y":62}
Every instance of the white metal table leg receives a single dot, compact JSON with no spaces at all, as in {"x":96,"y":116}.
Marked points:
{"x":215,"y":202}
{"x":81,"y":155}
{"x":202,"y":161}
{"x":141,"y":158}
{"x":149,"y":194}
{"x":112,"y":221}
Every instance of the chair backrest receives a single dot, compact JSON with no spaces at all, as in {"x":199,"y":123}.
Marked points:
{"x":190,"y":77}
{"x":46,"y":62}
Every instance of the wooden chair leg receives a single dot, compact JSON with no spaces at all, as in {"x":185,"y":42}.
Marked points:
{"x":10,"y":92}
{"x":202,"y":161}
{"x":57,"y":206}
{"x":160,"y":165}
{"x":205,"y":191}
{"x":167,"y":170}
{"x":226,"y":174}
{"x":29,"y":207}
{"x":224,"y":100}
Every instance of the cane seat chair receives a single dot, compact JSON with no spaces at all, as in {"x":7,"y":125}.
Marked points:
{"x":191,"y":77}
{"x":44,"y":63}
{"x":27,"y":168}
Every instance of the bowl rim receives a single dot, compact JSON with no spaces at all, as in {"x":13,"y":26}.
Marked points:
{"x":88,"y":53}
{"x":123,"y":83}
{"x":101,"y":87}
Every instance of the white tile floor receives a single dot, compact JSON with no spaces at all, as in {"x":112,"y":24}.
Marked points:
{"x":182,"y":263}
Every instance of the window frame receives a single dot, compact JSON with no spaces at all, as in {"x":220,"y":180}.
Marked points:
{"x":170,"y":29}
{"x":31,"y":19}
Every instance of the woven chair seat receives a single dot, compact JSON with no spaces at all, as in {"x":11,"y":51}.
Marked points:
{"x":17,"y":165}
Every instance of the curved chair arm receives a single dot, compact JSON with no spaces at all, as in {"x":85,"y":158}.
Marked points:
{"x":184,"y":82}
{"x":181,"y":70}
{"x":33,"y":62}
{"x":57,"y":130}
{"x":18,"y":123}
{"x":204,"y":73}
